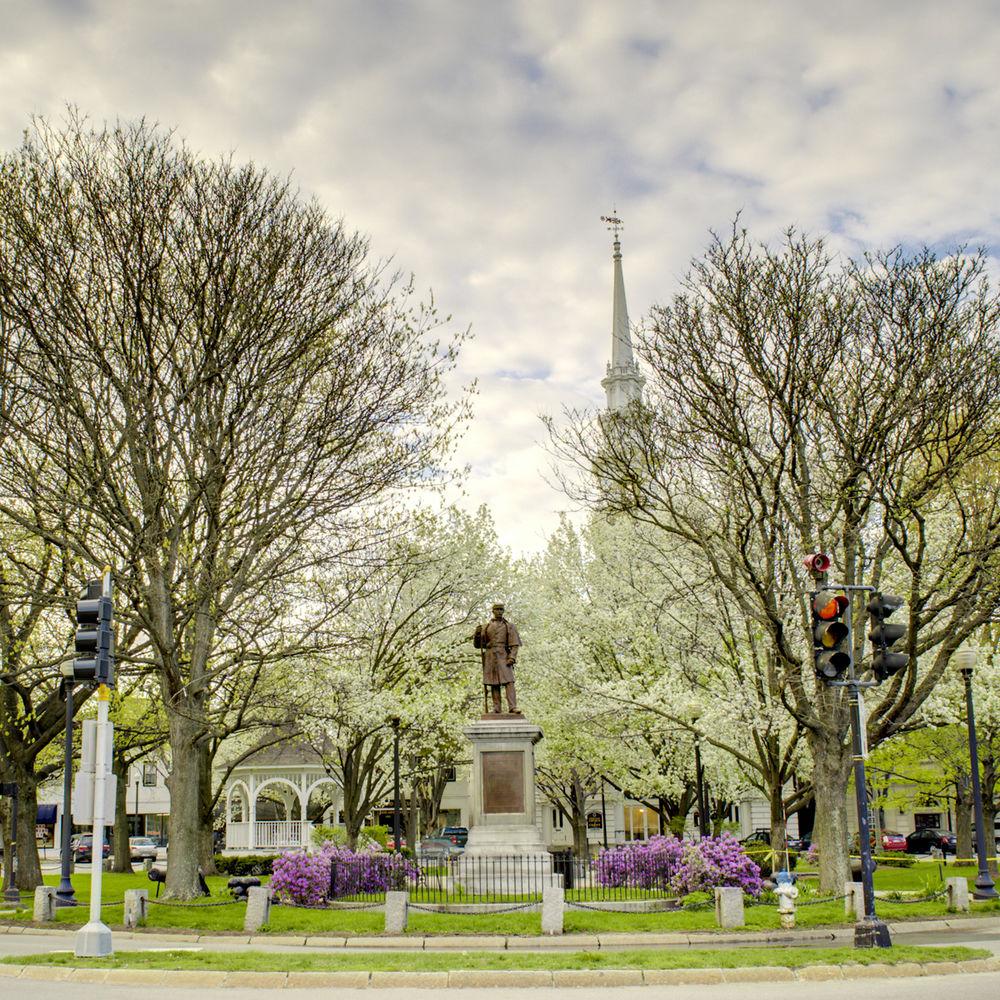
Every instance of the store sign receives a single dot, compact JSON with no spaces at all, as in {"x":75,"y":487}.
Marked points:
{"x":595,"y":821}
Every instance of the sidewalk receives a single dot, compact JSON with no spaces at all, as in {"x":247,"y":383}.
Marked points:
{"x":806,"y":937}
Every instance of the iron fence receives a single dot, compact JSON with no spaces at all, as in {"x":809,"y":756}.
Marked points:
{"x":501,"y":880}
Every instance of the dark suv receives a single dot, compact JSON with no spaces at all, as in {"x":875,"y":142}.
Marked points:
{"x":83,"y":848}
{"x":921,"y":841}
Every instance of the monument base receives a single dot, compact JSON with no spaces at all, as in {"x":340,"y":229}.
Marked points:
{"x":505,"y":853}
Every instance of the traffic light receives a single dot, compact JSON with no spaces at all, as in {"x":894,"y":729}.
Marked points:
{"x":831,"y":635}
{"x":94,"y":638}
{"x":885,"y":661}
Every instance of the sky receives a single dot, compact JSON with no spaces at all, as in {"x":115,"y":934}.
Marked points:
{"x":478,"y":144}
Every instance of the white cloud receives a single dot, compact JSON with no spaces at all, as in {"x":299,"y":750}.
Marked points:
{"x":478,"y":143}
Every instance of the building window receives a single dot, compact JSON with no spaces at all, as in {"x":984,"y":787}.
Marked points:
{"x":149,"y":775}
{"x":557,"y":819}
{"x":449,"y":774}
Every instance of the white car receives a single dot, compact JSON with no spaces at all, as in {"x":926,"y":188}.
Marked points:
{"x":140,"y":848}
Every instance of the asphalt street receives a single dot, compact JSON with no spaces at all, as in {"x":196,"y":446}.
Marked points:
{"x":981,"y":986}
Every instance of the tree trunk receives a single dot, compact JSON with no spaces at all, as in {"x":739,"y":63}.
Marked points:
{"x":206,"y":795}
{"x":963,"y":817}
{"x":29,"y":869}
{"x":779,"y":831}
{"x":186,"y":844}
{"x":122,"y":855}
{"x":831,"y":767}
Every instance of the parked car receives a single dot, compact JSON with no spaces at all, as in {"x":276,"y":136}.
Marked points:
{"x":442,"y":847}
{"x":458,"y":835}
{"x":140,"y":848}
{"x":893,"y":841}
{"x":83,"y":848}
{"x":921,"y":841}
{"x":390,"y":844}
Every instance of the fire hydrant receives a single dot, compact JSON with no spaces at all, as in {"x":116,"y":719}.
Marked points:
{"x":787,"y":892}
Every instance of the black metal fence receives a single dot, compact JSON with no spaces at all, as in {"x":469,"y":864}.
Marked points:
{"x":509,"y":879}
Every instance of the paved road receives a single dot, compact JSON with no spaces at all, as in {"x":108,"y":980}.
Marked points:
{"x":983,"y":986}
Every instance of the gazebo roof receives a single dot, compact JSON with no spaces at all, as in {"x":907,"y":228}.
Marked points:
{"x":289,"y":755}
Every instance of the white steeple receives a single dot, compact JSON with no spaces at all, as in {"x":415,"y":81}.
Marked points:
{"x":623,"y":382}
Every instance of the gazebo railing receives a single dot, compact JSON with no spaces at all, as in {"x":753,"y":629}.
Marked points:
{"x":268,"y":835}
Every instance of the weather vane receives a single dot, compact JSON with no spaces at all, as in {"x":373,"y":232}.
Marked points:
{"x":614,"y":223}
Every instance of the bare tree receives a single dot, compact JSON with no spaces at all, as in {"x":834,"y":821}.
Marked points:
{"x":793,"y":407}
{"x":231,"y":383}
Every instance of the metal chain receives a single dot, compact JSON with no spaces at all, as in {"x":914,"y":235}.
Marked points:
{"x":922,"y":899}
{"x":332,"y":909}
{"x":819,"y":902}
{"x":506,"y":909}
{"x":194,"y":906}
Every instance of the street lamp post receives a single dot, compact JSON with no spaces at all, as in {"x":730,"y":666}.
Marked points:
{"x":65,"y":896}
{"x":965,"y":661}
{"x":694,"y":714}
{"x":396,"y":825}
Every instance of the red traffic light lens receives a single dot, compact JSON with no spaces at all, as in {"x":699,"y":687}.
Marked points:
{"x":829,"y":606}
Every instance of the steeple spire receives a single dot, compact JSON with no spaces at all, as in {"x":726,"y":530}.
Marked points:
{"x":623,"y":383}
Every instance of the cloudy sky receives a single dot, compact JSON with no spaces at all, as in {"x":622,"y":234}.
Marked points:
{"x":477,"y":143}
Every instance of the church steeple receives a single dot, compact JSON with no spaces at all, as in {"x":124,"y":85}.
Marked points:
{"x":623,"y":383}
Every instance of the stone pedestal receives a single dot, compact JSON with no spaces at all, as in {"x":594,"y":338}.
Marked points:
{"x":503,"y":823}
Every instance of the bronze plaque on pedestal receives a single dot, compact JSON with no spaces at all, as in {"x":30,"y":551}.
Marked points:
{"x":503,"y":781}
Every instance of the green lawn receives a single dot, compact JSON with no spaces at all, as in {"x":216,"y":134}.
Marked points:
{"x":207,"y":918}
{"x":422,"y":961}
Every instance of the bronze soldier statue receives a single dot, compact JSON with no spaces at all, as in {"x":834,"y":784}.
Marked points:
{"x":499,"y":642}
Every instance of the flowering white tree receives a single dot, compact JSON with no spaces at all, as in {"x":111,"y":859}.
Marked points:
{"x":402,"y":651}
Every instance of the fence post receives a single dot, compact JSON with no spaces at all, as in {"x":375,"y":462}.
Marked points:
{"x":854,"y":899}
{"x":45,"y":904}
{"x":258,"y":909}
{"x":397,"y":905}
{"x":136,"y":906}
{"x":729,"y":906}
{"x":553,"y":905}
{"x":958,"y":894}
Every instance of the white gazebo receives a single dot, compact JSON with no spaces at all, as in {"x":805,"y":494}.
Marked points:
{"x":269,"y":800}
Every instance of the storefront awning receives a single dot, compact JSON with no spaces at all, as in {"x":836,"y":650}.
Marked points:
{"x":47,"y":812}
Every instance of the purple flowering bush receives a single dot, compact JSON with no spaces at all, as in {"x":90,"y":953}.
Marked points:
{"x":301,"y":878}
{"x":651,"y":864}
{"x":361,"y":873}
{"x":679,"y":866}
{"x":305,"y":879}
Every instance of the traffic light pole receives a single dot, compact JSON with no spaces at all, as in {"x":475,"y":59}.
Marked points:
{"x":64,"y":894}
{"x":870,"y":932}
{"x":94,"y":939}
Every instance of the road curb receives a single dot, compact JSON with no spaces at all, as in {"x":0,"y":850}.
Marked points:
{"x":464,"y":978}
{"x":585,"y":942}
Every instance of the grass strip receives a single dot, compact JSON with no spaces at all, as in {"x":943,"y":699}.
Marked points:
{"x":421,"y":961}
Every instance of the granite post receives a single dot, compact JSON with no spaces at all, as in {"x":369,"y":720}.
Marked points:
{"x":258,"y":909}
{"x":854,"y":899}
{"x":729,"y":906}
{"x":45,"y":904}
{"x":397,"y":905}
{"x":553,"y":905}
{"x":136,"y":907}
{"x":958,"y":894}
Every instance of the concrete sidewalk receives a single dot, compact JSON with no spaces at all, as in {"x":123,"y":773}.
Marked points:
{"x":984,"y":931}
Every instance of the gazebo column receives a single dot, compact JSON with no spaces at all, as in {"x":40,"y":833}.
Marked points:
{"x":252,"y":815}
{"x":305,"y":840}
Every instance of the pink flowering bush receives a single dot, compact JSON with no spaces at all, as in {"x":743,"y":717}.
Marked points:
{"x":305,"y":879}
{"x":301,"y":878}
{"x":679,"y":866}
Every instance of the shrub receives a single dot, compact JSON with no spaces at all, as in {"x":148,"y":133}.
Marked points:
{"x":324,"y":834}
{"x":301,"y":878}
{"x":377,"y":834}
{"x":680,"y":866}
{"x":895,"y":860}
{"x":367,"y":872}
{"x":245,"y":864}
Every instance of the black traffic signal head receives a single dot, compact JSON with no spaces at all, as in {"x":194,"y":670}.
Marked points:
{"x":885,"y":661}
{"x":94,"y":638}
{"x":831,"y":635}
